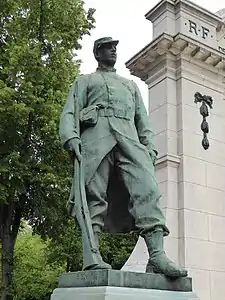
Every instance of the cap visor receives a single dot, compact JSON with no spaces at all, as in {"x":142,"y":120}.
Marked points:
{"x":115,"y":42}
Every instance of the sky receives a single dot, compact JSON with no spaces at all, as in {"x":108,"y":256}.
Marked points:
{"x":125,"y":20}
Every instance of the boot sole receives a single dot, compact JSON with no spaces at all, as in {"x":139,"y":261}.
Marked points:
{"x":97,"y":267}
{"x":151,"y":269}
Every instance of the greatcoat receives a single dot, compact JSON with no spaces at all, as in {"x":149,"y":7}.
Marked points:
{"x":111,"y":109}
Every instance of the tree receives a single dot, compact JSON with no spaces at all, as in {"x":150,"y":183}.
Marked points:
{"x":38,"y":41}
{"x":33,"y":277}
{"x":116,"y":248}
{"x":67,"y":247}
{"x":37,"y":263}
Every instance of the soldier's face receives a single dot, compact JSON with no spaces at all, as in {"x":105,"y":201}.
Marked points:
{"x":107,"y":54}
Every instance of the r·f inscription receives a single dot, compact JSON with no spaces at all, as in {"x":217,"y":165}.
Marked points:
{"x":198,"y":30}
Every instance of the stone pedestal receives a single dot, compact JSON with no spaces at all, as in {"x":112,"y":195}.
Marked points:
{"x":116,"y":293}
{"x":118,"y":285}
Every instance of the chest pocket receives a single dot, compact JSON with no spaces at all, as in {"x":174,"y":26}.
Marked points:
{"x":131,"y":90}
{"x":96,"y":89}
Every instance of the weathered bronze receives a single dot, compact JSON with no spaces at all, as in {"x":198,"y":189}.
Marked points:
{"x":204,"y":111}
{"x":105,"y":125}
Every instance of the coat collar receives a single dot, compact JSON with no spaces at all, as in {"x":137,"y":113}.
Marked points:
{"x":104,"y":68}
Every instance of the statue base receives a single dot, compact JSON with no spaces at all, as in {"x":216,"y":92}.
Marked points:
{"x":119,"y":285}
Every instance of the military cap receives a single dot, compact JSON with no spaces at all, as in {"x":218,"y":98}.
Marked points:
{"x":103,"y":40}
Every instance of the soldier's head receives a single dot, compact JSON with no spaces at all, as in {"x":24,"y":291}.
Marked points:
{"x":105,"y":51}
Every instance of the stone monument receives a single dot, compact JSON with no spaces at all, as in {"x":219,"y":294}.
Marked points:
{"x":105,"y":127}
{"x":185,"y":57}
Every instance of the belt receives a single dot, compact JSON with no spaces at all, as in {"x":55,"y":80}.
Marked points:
{"x":115,"y":112}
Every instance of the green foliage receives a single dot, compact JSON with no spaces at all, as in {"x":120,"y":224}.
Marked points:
{"x":38,"y":41}
{"x":0,"y":267}
{"x":67,"y":248}
{"x":116,"y":248}
{"x":38,"y":263}
{"x":34,"y":277}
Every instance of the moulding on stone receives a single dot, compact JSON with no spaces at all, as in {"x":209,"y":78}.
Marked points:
{"x":221,"y":14}
{"x":199,"y":12}
{"x":199,"y":78}
{"x":163,"y":73}
{"x":140,"y":66}
{"x":165,"y":60}
{"x":168,"y":160}
{"x":159,"y":9}
{"x":149,"y":48}
{"x":172,"y":5}
{"x":115,"y":293}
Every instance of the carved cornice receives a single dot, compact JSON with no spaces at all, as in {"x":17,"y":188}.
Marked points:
{"x":175,"y":6}
{"x":167,"y":160}
{"x":141,"y":64}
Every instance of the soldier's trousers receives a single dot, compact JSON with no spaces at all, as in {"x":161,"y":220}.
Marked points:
{"x":134,"y":166}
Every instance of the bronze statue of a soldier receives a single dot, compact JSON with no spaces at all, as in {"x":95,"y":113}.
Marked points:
{"x":105,"y":125}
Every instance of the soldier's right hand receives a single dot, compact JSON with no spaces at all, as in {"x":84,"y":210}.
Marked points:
{"x":74,"y":145}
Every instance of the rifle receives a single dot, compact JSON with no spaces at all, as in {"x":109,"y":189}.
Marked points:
{"x":90,"y":250}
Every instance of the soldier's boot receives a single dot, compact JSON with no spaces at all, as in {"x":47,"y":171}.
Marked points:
{"x":158,"y":261}
{"x":100,"y":264}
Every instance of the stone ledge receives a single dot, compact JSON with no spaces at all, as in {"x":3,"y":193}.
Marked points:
{"x":147,"y":59}
{"x":168,"y":160}
{"x":115,"y":278}
{"x":118,"y":293}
